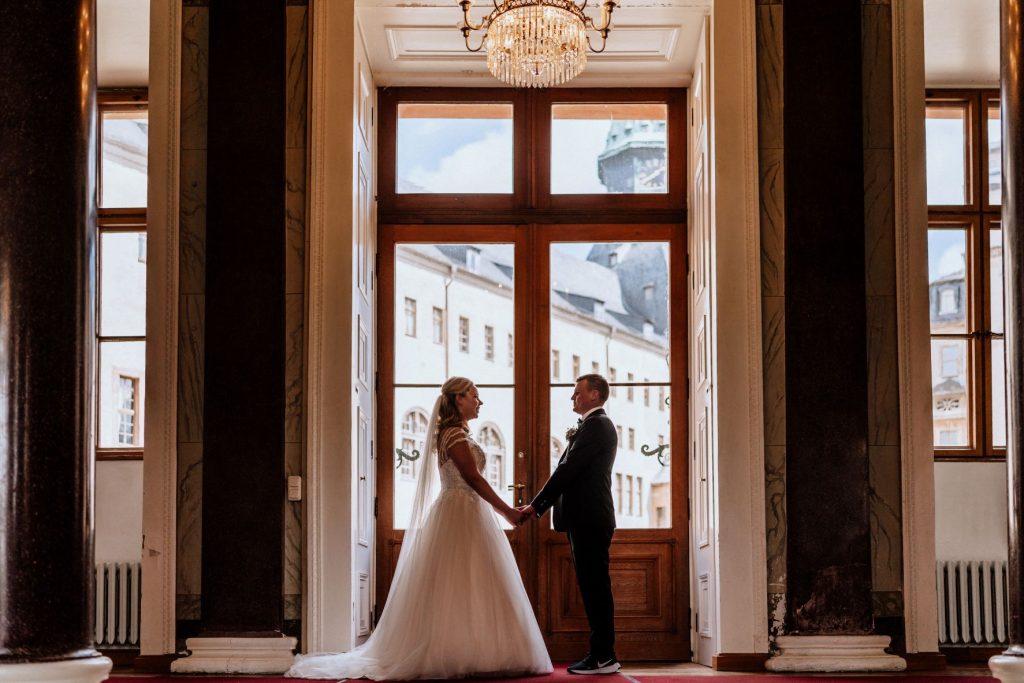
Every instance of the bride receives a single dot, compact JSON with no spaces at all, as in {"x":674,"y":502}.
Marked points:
{"x":457,"y":606}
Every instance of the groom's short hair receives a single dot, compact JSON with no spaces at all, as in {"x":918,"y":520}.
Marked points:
{"x":596,"y":383}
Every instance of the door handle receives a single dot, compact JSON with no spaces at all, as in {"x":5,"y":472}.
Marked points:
{"x":518,"y":488}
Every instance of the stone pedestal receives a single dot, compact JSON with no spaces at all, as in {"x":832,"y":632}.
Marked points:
{"x":833,"y":653}
{"x":88,"y":670}
{"x":236,"y":656}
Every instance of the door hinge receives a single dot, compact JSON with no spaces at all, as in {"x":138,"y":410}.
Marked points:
{"x":376,"y":380}
{"x":376,"y":507}
{"x":376,"y":265}
{"x":688,"y":517}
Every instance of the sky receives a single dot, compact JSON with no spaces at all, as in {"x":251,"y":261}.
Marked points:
{"x":475,"y":155}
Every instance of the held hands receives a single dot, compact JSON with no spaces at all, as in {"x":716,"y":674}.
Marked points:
{"x":520,"y":515}
{"x":526,"y":513}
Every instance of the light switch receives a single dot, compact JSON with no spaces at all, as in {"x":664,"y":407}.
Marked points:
{"x":294,"y":487}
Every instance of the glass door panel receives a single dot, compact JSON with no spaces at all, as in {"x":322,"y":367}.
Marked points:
{"x":454,"y":316}
{"x":610,"y":315}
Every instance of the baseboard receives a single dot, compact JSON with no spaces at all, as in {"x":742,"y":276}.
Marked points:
{"x":970,"y":655}
{"x":154,"y":664}
{"x":739,"y":661}
{"x":925,"y":661}
{"x":123,"y":659}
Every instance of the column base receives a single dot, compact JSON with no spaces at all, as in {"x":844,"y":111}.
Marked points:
{"x":85,"y":670}
{"x":1007,"y":668}
{"x":833,"y":653}
{"x":236,"y":656}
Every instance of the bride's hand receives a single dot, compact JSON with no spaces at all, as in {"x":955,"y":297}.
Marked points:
{"x":515,"y":517}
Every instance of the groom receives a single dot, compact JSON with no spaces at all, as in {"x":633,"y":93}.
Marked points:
{"x":580,"y":489}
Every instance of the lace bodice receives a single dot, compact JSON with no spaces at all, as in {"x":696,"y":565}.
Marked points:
{"x":450,"y":477}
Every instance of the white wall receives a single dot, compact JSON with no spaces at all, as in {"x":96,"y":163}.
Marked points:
{"x":119,"y":511}
{"x":970,"y":511}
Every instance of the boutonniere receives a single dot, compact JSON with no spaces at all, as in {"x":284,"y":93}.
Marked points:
{"x":570,"y":433}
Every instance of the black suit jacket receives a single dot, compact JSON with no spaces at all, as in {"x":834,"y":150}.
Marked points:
{"x":580,"y":488}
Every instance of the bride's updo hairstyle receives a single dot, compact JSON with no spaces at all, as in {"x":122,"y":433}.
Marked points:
{"x":448,"y":414}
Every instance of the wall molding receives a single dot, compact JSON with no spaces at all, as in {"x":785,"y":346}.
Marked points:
{"x":737,"y":393}
{"x":159,"y":481}
{"x":328,"y":601}
{"x":916,"y":459}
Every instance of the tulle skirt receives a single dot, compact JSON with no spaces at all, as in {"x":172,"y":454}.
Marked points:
{"x":456,"y":608}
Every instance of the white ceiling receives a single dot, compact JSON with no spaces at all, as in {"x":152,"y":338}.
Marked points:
{"x":961,"y":43}
{"x":415,"y":42}
{"x":122,"y":43}
{"x":652,"y":43}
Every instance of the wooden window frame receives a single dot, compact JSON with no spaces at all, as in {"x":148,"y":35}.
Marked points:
{"x":109,"y":221}
{"x":531,"y":200}
{"x":977,"y":217}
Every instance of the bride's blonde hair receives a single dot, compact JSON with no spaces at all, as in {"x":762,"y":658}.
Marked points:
{"x":448,"y":414}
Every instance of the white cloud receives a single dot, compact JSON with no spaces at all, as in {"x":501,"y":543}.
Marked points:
{"x":952,"y":260}
{"x":483,"y":166}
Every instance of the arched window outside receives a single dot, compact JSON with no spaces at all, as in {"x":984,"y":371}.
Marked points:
{"x":494,"y":448}
{"x":414,"y":437}
{"x":556,"y":452}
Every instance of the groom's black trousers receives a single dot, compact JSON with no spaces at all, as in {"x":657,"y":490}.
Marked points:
{"x":589,"y":547}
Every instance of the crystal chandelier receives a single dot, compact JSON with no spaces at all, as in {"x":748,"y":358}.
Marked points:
{"x":537,"y":43}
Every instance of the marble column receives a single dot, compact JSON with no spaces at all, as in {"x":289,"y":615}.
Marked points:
{"x":1009,"y":666}
{"x":828,"y":616}
{"x":243,"y":487}
{"x":47,"y":340}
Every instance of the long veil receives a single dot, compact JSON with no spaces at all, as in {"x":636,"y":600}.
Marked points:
{"x":428,"y":486}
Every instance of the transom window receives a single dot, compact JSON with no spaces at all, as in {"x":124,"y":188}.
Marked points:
{"x":965,"y":268}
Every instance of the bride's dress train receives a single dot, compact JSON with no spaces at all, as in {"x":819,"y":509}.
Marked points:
{"x":457,"y":606}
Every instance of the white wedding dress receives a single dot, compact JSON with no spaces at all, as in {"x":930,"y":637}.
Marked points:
{"x":457,"y":606}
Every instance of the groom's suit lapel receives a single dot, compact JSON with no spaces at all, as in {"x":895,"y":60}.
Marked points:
{"x":565,"y":454}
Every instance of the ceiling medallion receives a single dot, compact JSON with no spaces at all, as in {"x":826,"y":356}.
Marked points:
{"x":537,"y":43}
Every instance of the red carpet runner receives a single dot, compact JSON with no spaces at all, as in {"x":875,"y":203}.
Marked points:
{"x":560,"y":675}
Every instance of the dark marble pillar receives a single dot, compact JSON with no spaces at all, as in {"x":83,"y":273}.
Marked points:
{"x":828,"y":549}
{"x":1012,"y":96}
{"x":243,"y":421}
{"x":47,"y":328}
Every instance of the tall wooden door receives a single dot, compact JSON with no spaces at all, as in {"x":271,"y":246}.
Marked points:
{"x":523,"y":310}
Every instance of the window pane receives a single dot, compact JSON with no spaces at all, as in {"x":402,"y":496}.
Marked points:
{"x":122,"y":394}
{"x":609,"y":148}
{"x":124,"y":153}
{"x":947,"y":284}
{"x":651,"y":474}
{"x":945,"y":131}
{"x":493,"y":431}
{"x":470,"y":285}
{"x":950,"y":393}
{"x":123,"y":284}
{"x":998,"y":393}
{"x":600,"y":311}
{"x":995,"y":260}
{"x":995,"y":157}
{"x":454,"y":148}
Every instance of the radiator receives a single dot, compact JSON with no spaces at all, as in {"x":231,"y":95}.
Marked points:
{"x":118,"y":604}
{"x":972,"y":603}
